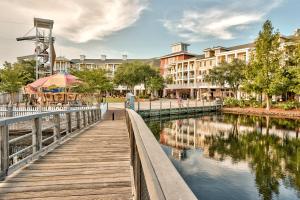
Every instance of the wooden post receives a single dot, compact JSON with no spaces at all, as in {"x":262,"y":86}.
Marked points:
{"x":9,"y":111}
{"x":78,"y":120}
{"x":4,"y":151}
{"x":150,"y":108}
{"x":69,"y":123}
{"x":160,"y":107}
{"x":56,"y":129}
{"x":188,"y":106}
{"x":37,"y":135}
{"x":88,"y":117}
{"x":84,"y":118}
{"x":137,"y":175}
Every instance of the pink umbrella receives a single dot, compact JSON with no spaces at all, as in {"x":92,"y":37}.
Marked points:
{"x":58,"y":80}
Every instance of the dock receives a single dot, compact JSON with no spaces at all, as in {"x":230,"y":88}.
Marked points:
{"x":88,"y":155}
{"x":91,"y":165}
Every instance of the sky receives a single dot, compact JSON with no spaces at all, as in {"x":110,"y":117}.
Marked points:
{"x":141,"y":28}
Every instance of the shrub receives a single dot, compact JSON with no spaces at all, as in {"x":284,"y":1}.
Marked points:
{"x":289,"y":105}
{"x":231,"y":102}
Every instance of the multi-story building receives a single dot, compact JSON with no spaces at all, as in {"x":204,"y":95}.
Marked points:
{"x":110,"y":65}
{"x":185,"y":72}
{"x":61,"y":64}
{"x":188,"y":75}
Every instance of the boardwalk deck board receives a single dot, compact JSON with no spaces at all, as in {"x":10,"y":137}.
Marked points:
{"x":93,"y":165}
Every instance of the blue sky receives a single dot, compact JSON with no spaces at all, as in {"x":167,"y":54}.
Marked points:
{"x":142,"y":28}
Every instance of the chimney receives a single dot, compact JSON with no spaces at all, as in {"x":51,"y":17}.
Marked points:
{"x":82,"y":57}
{"x":124,"y":57}
{"x":103,"y":57}
{"x":297,"y":32}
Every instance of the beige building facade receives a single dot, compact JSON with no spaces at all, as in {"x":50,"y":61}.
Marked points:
{"x":188,"y":76}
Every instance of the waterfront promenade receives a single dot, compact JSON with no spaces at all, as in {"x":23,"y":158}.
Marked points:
{"x":91,"y":165}
{"x":164,"y":104}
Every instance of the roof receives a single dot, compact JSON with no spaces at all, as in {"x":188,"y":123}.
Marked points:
{"x":177,"y":43}
{"x":243,"y":46}
{"x":151,"y":61}
{"x":178,"y":53}
{"x":200,"y":56}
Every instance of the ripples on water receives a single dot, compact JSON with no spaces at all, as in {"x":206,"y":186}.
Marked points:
{"x":227,"y":156}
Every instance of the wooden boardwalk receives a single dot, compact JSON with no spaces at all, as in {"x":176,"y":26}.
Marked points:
{"x":92,"y":165}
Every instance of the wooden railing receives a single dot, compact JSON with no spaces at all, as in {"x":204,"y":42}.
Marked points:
{"x":155,"y":177}
{"x":14,"y":111}
{"x":39,"y":133}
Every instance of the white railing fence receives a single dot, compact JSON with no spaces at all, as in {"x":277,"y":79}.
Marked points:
{"x":15,"y":111}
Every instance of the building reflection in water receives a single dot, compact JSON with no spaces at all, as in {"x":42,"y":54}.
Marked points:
{"x":269,"y":146}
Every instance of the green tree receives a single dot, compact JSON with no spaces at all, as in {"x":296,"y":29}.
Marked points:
{"x":94,"y":81}
{"x":27,"y":70}
{"x":231,"y":74}
{"x":134,"y":73}
{"x":156,"y":83}
{"x":127,"y":75}
{"x":264,"y":72}
{"x":11,"y":80}
{"x":216,"y":76}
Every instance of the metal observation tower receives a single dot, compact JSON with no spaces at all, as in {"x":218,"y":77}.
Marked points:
{"x":44,"y":48}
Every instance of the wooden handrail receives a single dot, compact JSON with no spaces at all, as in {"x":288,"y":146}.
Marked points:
{"x":10,"y":161}
{"x":155,"y":177}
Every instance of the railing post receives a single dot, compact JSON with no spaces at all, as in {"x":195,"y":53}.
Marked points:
{"x":56,"y":130}
{"x":37,"y":135}
{"x":69,"y":120}
{"x":9,"y":111}
{"x":150,"y":107}
{"x":84,"y":118}
{"x":137,"y":175}
{"x":188,"y":106}
{"x":88,"y":117}
{"x":160,"y":107}
{"x":4,"y":151}
{"x":78,"y":120}
{"x":93,"y":116}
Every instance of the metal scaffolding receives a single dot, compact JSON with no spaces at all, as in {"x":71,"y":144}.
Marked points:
{"x":44,"y":48}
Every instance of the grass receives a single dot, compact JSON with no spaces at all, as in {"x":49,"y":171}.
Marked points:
{"x":115,"y":99}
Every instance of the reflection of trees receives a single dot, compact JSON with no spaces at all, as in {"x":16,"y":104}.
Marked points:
{"x":271,"y":158}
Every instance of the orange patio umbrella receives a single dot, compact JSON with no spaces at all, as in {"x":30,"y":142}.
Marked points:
{"x":60,"y":80}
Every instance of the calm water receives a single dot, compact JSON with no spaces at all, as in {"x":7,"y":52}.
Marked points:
{"x":226,"y":156}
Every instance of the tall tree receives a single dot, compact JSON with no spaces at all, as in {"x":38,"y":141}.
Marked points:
{"x":216,"y":76}
{"x":134,"y":73}
{"x":11,"y":80}
{"x":155,"y":84}
{"x":264,"y":72}
{"x":94,"y":81}
{"x":27,"y":70}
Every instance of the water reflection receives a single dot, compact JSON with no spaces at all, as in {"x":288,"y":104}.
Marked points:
{"x":234,"y":156}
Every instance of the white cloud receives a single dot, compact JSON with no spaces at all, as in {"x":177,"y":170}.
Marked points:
{"x":77,"y":20}
{"x":221,"y":20}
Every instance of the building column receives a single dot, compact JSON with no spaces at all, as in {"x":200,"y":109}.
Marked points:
{"x":188,"y":73}
{"x":247,"y":56}
{"x":200,"y":95}
{"x":164,"y":93}
{"x":192,"y":93}
{"x":177,"y":94}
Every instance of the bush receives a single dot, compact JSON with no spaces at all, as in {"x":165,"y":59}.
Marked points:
{"x":144,"y":96}
{"x":231,"y":102}
{"x":289,"y":105}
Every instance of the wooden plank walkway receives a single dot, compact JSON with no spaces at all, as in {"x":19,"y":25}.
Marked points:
{"x":93,"y":165}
